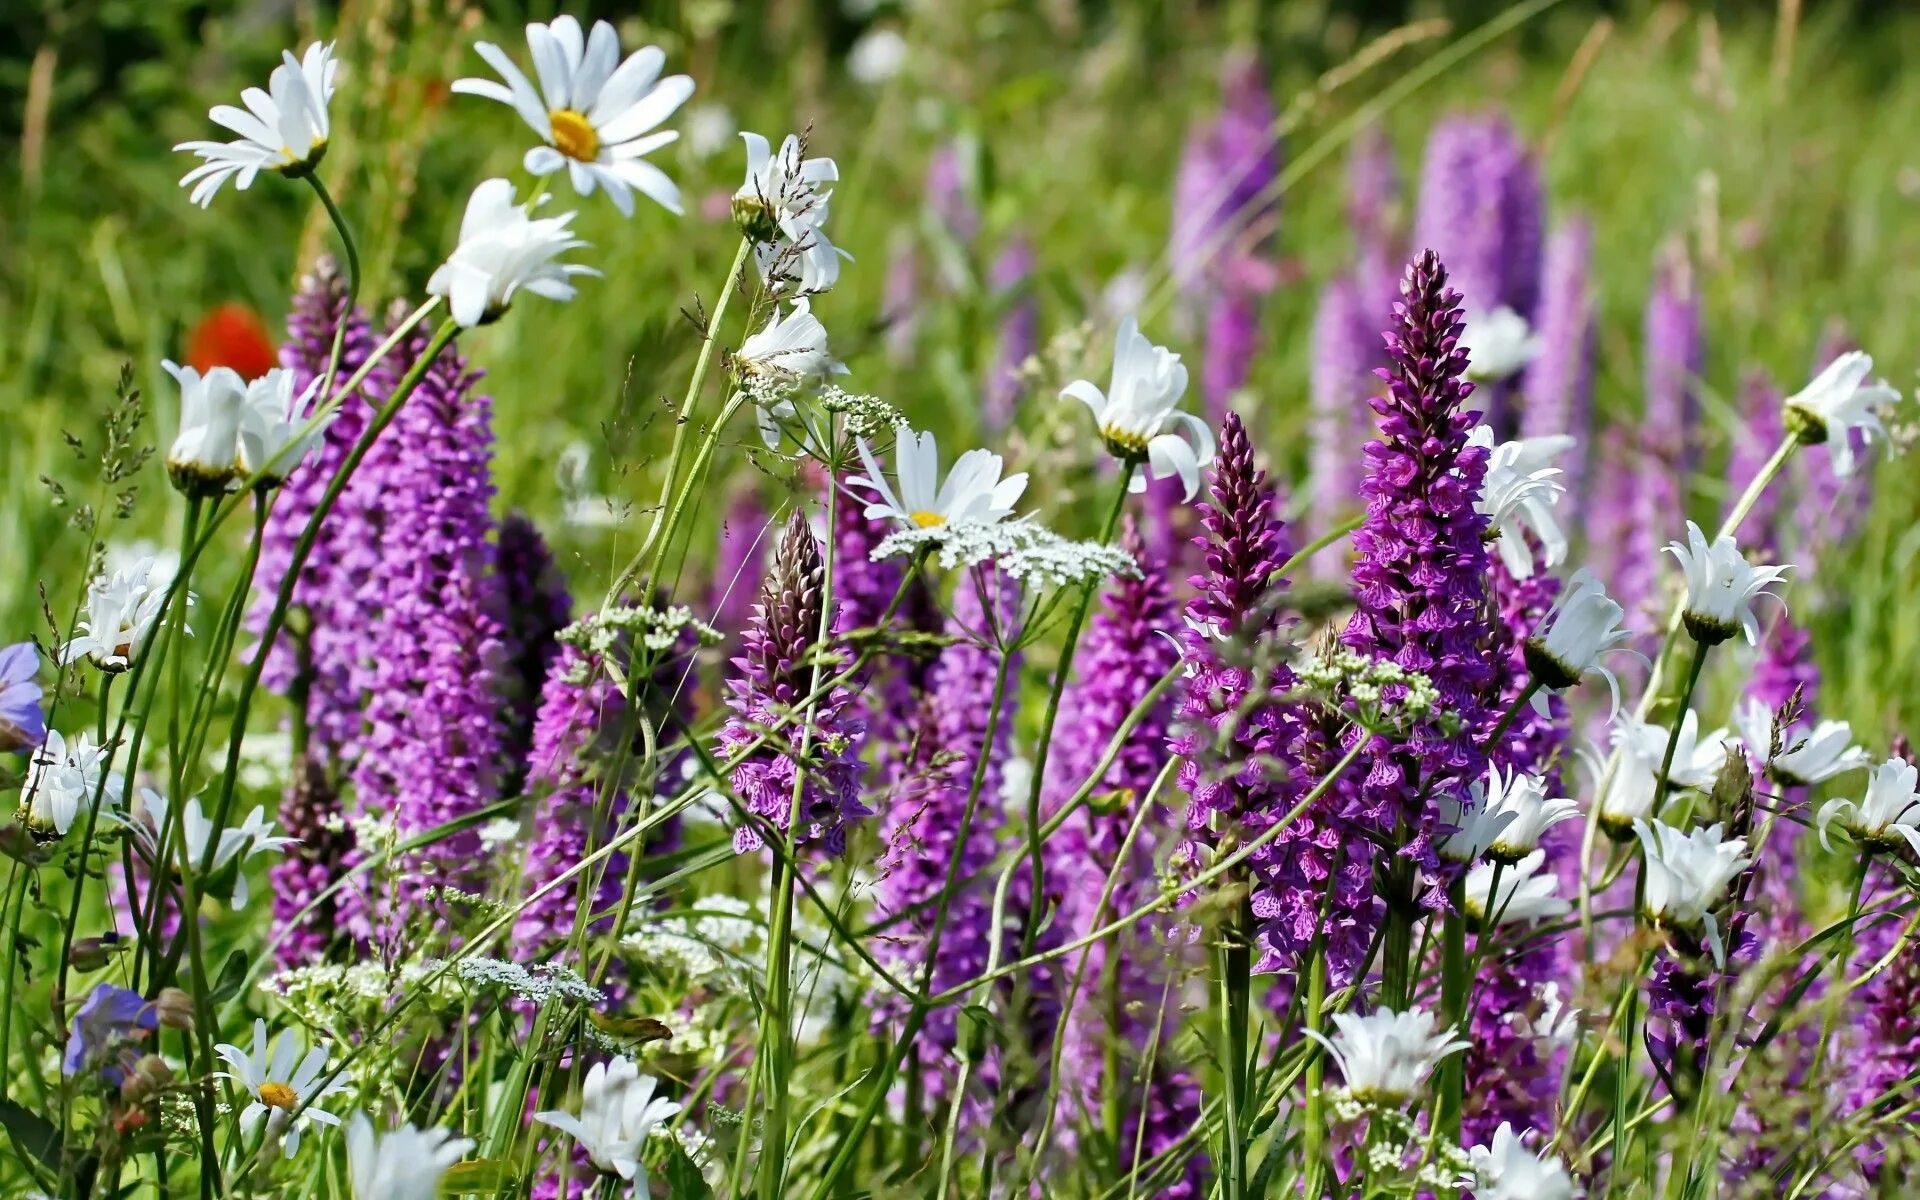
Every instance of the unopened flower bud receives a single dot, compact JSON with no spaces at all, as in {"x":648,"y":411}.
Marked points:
{"x":146,"y":1079}
{"x":91,"y":954}
{"x":174,"y":1008}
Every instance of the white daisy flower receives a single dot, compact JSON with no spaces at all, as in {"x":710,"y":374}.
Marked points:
{"x":253,"y":836}
{"x":618,"y":1112}
{"x":1838,"y":403}
{"x":284,"y":1083}
{"x":1818,"y":755}
{"x":1475,"y":825}
{"x":274,"y":434}
{"x":1137,"y":414}
{"x":282,"y":129}
{"x":1629,"y":795}
{"x":972,"y":490}
{"x":877,"y":56}
{"x":596,"y":114}
{"x":1385,"y":1056}
{"x":1521,"y":488}
{"x":402,"y":1164}
{"x":504,"y":249}
{"x":789,"y":351}
{"x":1580,"y":630}
{"x":1687,"y":873}
{"x":1524,"y":798}
{"x":1555,"y":1024}
{"x":1721,"y":587}
{"x":1887,"y":816}
{"x":204,"y":459}
{"x":63,"y":777}
{"x":1526,"y":894}
{"x":1507,"y":1170}
{"x":119,"y":616}
{"x":782,"y":206}
{"x":1696,"y":760}
{"x":1498,"y":345}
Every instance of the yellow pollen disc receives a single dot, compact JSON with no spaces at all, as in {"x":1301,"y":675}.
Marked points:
{"x":927,"y":520}
{"x":1124,"y":442}
{"x":278,"y":1095}
{"x":573,"y":135}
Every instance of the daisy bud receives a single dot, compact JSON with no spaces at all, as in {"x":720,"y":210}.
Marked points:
{"x":1385,"y":1057}
{"x":204,"y":459}
{"x":1721,"y":587}
{"x":1137,"y":415}
{"x":1886,"y":818}
{"x":174,"y":1007}
{"x":274,"y":437}
{"x":1836,"y":405}
{"x":1687,"y":873}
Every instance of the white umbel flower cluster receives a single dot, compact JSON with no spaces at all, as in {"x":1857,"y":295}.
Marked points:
{"x":1024,"y":549}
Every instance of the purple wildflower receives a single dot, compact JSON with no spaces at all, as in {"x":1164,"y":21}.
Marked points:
{"x":536,"y":606}
{"x":1480,"y":211}
{"x":1557,"y":392}
{"x":306,"y":918}
{"x":1222,"y":212}
{"x":928,"y":811}
{"x":740,"y":563}
{"x":901,"y":309}
{"x":1675,"y":353}
{"x":1421,"y":569}
{"x":22,"y":723}
{"x":107,"y":1033}
{"x":1233,"y":334}
{"x":323,"y":671}
{"x":1010,"y":284}
{"x":1373,"y":187}
{"x":777,"y":670}
{"x":434,"y":687}
{"x":949,"y":195}
{"x":1346,"y":348}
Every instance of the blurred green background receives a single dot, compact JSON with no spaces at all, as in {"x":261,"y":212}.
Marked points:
{"x":1777,"y":142}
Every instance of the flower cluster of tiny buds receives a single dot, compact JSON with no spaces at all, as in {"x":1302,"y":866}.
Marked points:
{"x":654,"y":630}
{"x":1026,"y":551}
{"x":1382,"y":695}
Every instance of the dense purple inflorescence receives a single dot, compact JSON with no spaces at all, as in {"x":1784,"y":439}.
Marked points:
{"x":776,"y":675}
{"x":430,"y":603}
{"x":1010,"y":284}
{"x":306,"y":912}
{"x":535,"y":607}
{"x":1420,"y":576}
{"x":1557,"y":390}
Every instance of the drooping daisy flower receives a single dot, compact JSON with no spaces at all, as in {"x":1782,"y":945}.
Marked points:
{"x":63,"y":777}
{"x":597,"y":119}
{"x":1817,"y":756}
{"x":1507,"y":1170}
{"x":280,"y":1079}
{"x":1386,"y":1056}
{"x":22,"y":722}
{"x":1696,"y":759}
{"x":782,"y":207}
{"x":282,"y":129}
{"x":253,"y":836}
{"x":1523,"y":797}
{"x":1886,"y":817}
{"x":504,"y":249}
{"x":402,"y":1164}
{"x":1475,"y":825}
{"x":1522,"y":486}
{"x":1721,"y":587}
{"x":1629,"y":795}
{"x":1687,"y":873}
{"x":1526,"y":894}
{"x":204,"y":459}
{"x":972,"y":490}
{"x":1137,"y":414}
{"x":274,"y":433}
{"x":120,"y":612}
{"x":618,"y":1111}
{"x":1839,"y":403}
{"x":1499,"y":345}
{"x":789,"y":351}
{"x":1581,"y":628}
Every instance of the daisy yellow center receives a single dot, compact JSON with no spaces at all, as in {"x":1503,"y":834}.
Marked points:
{"x":1125,"y":443}
{"x":278,"y":1095}
{"x":573,"y":135}
{"x":926,"y":520}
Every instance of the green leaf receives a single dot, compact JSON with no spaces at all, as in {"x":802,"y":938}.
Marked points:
{"x":232,"y":977}
{"x":31,"y":1132}
{"x":683,"y":1178}
{"x":478,"y":1177}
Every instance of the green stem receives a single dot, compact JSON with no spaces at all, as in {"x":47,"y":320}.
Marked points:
{"x":1234,"y":964}
{"x":1287,"y":568}
{"x":353,"y":280}
{"x":1455,"y":979}
{"x":683,"y":420}
{"x":11,"y":914}
{"x":1512,"y":714}
{"x":1841,"y":957}
{"x":1679,"y":718}
{"x":1315,"y":1132}
{"x":1036,"y":862}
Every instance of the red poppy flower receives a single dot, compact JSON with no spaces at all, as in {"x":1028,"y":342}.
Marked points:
{"x":232,"y":335}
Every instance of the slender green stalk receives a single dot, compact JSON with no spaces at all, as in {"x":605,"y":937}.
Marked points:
{"x":1842,"y":956}
{"x":1036,"y":862}
{"x":1235,"y":971}
{"x":10,"y":917}
{"x":660,"y":532}
{"x":1315,"y":1131}
{"x":353,"y":278}
{"x":1679,"y":718}
{"x":1455,"y":982}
